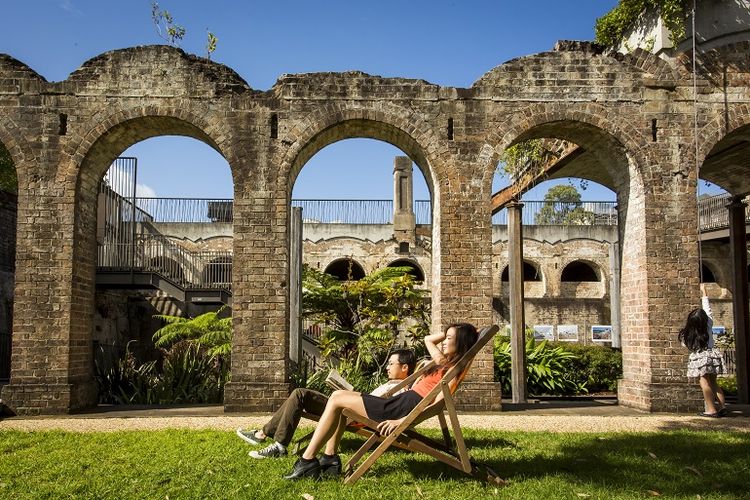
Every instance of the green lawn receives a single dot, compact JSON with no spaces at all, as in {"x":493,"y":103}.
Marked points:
{"x":213,"y":464}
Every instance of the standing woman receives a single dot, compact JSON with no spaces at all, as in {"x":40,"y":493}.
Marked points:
{"x":445,"y":349}
{"x":705,"y":362}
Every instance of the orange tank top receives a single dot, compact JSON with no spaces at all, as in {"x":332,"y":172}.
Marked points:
{"x":425,"y":384}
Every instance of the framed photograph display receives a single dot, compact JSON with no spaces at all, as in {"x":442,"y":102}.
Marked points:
{"x":544,"y":332}
{"x":567,"y":333}
{"x":601,"y":333}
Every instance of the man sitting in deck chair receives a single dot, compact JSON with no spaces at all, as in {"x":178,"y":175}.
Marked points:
{"x":282,"y":425}
{"x":445,"y":349}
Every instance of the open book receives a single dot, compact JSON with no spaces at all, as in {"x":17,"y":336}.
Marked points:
{"x":335,"y":380}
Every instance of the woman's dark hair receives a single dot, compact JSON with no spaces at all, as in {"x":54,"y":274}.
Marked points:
{"x":695,"y":333}
{"x":466,"y":337}
{"x":406,"y":357}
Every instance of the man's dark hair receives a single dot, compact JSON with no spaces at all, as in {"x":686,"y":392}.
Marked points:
{"x":406,"y":357}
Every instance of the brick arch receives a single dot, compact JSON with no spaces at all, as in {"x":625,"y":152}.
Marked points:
{"x":390,"y":124}
{"x":19,"y":150}
{"x":595,"y":267}
{"x":722,"y":128}
{"x":114,"y":132}
{"x":587,"y":125}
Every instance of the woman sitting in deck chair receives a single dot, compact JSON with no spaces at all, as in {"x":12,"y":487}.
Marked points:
{"x":444,"y":348}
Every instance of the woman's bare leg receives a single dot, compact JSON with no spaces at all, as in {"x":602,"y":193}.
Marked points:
{"x":708,"y":394}
{"x":333,"y":444}
{"x":331,"y":418}
{"x":717,"y":390}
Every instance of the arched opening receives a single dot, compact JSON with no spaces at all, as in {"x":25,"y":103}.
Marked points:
{"x":574,"y":180}
{"x":414,"y":269}
{"x":530,"y":273}
{"x":8,"y":217}
{"x":579,"y":271}
{"x":345,"y":270}
{"x":362,"y":196}
{"x":152,"y":197}
{"x":707,"y":275}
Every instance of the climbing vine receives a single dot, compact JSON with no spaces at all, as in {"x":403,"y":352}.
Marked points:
{"x":611,"y":27}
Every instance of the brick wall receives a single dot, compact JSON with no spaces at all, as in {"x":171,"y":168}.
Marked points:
{"x":627,"y":111}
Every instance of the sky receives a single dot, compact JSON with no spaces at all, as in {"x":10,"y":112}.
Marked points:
{"x":451,"y":43}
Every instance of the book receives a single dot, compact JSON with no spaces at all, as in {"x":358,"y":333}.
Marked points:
{"x":337,"y":382}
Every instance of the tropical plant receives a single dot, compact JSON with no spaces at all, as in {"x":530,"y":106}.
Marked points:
{"x":208,"y":330}
{"x":546,"y":367}
{"x":363,"y":320}
{"x":186,"y":374}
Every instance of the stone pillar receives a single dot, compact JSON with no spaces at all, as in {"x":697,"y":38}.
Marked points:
{"x":515,"y":283}
{"x":738,"y":247}
{"x":404,"y":221}
{"x":295,"y":287}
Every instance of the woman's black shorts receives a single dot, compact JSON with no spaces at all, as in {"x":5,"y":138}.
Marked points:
{"x":380,"y":409}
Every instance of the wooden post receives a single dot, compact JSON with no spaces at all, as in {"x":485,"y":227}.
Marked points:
{"x":515,"y":282}
{"x":295,"y":286}
{"x":738,"y":251}
{"x":614,"y":292}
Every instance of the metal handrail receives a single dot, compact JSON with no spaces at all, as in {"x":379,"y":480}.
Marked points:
{"x":712,"y":211}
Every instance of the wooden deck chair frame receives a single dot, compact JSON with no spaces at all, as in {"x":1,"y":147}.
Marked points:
{"x":298,"y":445}
{"x":405,"y":437}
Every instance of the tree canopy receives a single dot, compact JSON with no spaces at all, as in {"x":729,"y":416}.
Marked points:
{"x":563,"y":206}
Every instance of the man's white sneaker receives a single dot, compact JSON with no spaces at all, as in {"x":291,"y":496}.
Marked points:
{"x":273,"y":450}
{"x":249,"y":436}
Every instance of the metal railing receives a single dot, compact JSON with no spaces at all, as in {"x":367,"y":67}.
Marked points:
{"x":186,"y":210}
{"x":346,"y":211}
{"x":157,"y":254}
{"x":713,"y":213}
{"x":553,"y":213}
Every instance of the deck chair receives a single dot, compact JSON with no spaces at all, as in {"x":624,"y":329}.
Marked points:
{"x":297,"y":446}
{"x":406,"y":437}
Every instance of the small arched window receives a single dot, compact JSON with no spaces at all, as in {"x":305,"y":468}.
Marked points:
{"x":579,"y":271}
{"x":530,"y":273}
{"x":707,"y":276}
{"x":414,"y":269}
{"x":345,"y":270}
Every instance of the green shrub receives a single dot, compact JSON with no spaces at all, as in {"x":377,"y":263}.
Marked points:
{"x":547,"y":368}
{"x":728,"y":383}
{"x":594,"y":366}
{"x":187,"y":373}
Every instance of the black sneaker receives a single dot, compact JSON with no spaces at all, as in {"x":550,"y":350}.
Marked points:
{"x":273,"y":450}
{"x":304,"y":468}
{"x":249,"y":436}
{"x":330,"y":465}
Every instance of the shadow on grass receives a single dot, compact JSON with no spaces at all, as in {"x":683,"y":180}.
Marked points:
{"x":680,"y":463}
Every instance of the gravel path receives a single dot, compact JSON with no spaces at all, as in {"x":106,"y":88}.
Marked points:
{"x":517,"y":422}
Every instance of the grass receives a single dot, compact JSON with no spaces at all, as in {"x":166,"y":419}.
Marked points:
{"x":214,"y":464}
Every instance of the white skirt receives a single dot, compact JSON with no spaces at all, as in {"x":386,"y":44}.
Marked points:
{"x":705,"y":362}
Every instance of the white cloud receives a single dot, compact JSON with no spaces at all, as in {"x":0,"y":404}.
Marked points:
{"x":144,"y":191}
{"x":67,"y":6}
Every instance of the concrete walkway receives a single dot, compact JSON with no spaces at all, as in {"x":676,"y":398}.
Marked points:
{"x":542,"y":416}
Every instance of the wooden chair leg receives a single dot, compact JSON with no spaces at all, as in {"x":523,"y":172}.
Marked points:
{"x":446,"y":432}
{"x":360,"y":453}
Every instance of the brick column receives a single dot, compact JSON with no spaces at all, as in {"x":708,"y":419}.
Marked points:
{"x":462,"y":285}
{"x":659,"y":286}
{"x":260,"y":294}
